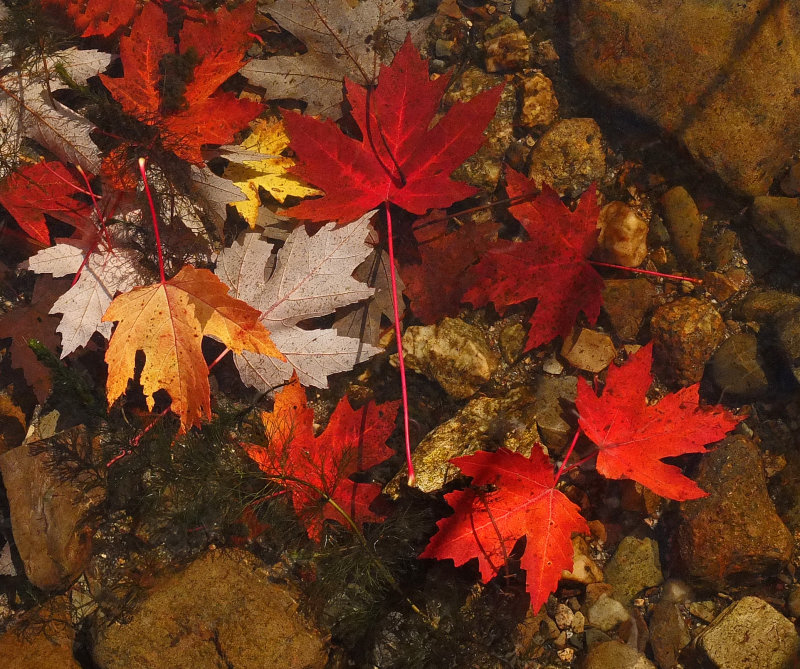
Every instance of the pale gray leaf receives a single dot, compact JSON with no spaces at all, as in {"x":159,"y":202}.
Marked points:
{"x":243,"y":266}
{"x":215,"y":191}
{"x":80,"y":64}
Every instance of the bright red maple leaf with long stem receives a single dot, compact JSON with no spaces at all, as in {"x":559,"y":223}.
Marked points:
{"x":400,"y":158}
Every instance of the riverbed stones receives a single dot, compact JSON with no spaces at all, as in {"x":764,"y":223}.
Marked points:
{"x":787,"y":334}
{"x":736,"y":368}
{"x":606,"y":613}
{"x":634,"y":566}
{"x":778,"y":219}
{"x":616,"y":655}
{"x":623,"y":235}
{"x":686,"y":331}
{"x":733,"y":536}
{"x":697,"y":69}
{"x":626,"y":302}
{"x":507,"y":46}
{"x":749,"y":633}
{"x":569,"y":156}
{"x":668,"y":633}
{"x":682,"y":220}
{"x":589,"y":350}
{"x":539,"y":104}
{"x":221,"y":611}
{"x":453,"y":353}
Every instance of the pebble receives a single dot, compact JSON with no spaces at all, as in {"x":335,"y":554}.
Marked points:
{"x":668,"y":633}
{"x":564,"y":617}
{"x":623,"y":235}
{"x":616,"y":655}
{"x":778,"y":219}
{"x":606,"y":613}
{"x":722,"y":286}
{"x":764,"y":306}
{"x":749,"y":634}
{"x":734,"y":534}
{"x":584,"y":569}
{"x":686,"y":332}
{"x":507,"y":46}
{"x":551,"y":365}
{"x":551,"y":393}
{"x":626,"y":302}
{"x":453,"y":353}
{"x":736,"y":368}
{"x":539,"y":103}
{"x":634,"y":567}
{"x":569,"y":156}
{"x":588,"y":350}
{"x":683,"y":221}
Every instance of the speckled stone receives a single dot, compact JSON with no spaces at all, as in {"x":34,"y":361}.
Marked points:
{"x":623,"y":235}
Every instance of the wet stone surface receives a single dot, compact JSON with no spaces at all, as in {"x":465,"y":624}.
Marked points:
{"x":635,"y":566}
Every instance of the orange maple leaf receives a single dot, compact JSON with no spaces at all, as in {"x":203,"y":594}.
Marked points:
{"x":167,"y":321}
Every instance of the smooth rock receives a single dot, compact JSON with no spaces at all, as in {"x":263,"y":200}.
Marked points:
{"x":635,"y":565}
{"x":569,"y":156}
{"x":626,"y":302}
{"x":778,"y":219}
{"x":668,"y":634}
{"x":507,"y":46}
{"x":736,"y":368}
{"x":451,"y":352}
{"x":484,"y":422}
{"x":734,"y":536}
{"x":552,"y":393}
{"x":764,"y":306}
{"x":539,"y":104}
{"x":787,"y":334}
{"x":682,"y":219}
{"x":512,"y":342}
{"x":722,"y":286}
{"x":686,"y":332}
{"x":616,"y":655}
{"x":623,"y":235}
{"x":606,"y":613}
{"x":697,"y":68}
{"x":47,"y":516}
{"x":750,"y":634}
{"x":589,"y":350}
{"x":222,"y":611}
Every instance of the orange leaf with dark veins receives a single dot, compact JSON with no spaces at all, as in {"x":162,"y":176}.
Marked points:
{"x":316,"y":469}
{"x":552,"y":267}
{"x":400,"y":159}
{"x":97,"y":17}
{"x":511,"y":497}
{"x":634,"y":437}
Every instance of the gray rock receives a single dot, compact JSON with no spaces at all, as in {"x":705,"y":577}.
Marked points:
{"x":569,"y":156}
{"x":686,"y":332}
{"x":616,"y":655}
{"x":635,"y":566}
{"x":737,"y":122}
{"x":734,"y":535}
{"x":749,"y":634}
{"x":683,"y":222}
{"x":623,"y":235}
{"x":736,"y":369}
{"x":606,"y":613}
{"x":668,"y":634}
{"x":778,"y":219}
{"x":222,"y":612}
{"x":453,"y":353}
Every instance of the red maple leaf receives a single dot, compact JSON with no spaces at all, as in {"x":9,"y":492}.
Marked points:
{"x":400,"y":159}
{"x":522,"y":502}
{"x":316,"y":470}
{"x":205,"y":118}
{"x":44,"y":188}
{"x":633,"y":436}
{"x":436,"y":285}
{"x":97,"y":17}
{"x":552,"y":267}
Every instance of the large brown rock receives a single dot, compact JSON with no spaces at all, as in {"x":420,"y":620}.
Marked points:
{"x":221,"y":612}
{"x":722,"y":75}
{"x":734,"y":535}
{"x":41,"y":646}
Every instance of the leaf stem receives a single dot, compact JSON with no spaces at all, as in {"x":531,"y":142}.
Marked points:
{"x":155,"y":219}
{"x":636,"y":270}
{"x":399,"y":337}
{"x":569,"y":452}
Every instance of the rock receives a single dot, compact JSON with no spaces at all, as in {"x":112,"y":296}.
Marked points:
{"x":38,"y":646}
{"x":793,"y":601}
{"x":778,"y":219}
{"x":682,"y":219}
{"x":483,"y":422}
{"x":686,"y":332}
{"x":551,"y":365}
{"x":606,"y":613}
{"x":736,"y":369}
{"x":635,"y":566}
{"x":626,"y":302}
{"x":749,"y":633}
{"x":623,"y":235}
{"x":512,"y":342}
{"x":453,"y":353}
{"x":506,"y":46}
{"x":734,"y":120}
{"x":569,"y":156}
{"x":588,"y":350}
{"x":551,"y":393}
{"x":790,"y":184}
{"x":668,"y":634}
{"x":787,"y":334}
{"x":734,"y":535}
{"x":539,"y":103}
{"x":584,"y":568}
{"x":723,"y":286}
{"x":616,"y":655}
{"x":221,"y":611}
{"x":47,"y":516}
{"x":564,"y":617}
{"x":12,"y":424}
{"x":764,"y":306}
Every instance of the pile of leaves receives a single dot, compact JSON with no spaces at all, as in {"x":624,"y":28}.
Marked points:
{"x":132,"y":181}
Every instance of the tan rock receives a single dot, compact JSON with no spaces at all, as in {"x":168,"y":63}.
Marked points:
{"x":539,"y":103}
{"x":589,"y":350}
{"x":623,"y":235}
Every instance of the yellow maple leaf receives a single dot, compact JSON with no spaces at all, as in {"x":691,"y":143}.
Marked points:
{"x":167,"y":321}
{"x":268,"y":137}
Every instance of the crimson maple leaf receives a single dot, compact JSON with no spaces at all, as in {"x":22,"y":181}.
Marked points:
{"x":553,"y":266}
{"x":317,"y":469}
{"x":633,"y":436}
{"x":399,"y":158}
{"x":220,"y":41}
{"x":44,"y":188}
{"x":522,"y":502}
{"x":97,"y":17}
